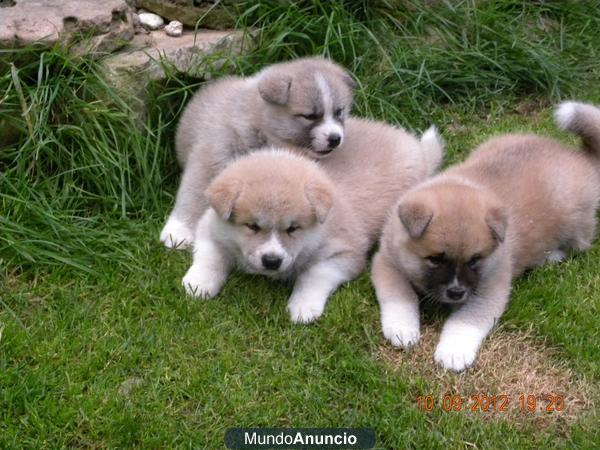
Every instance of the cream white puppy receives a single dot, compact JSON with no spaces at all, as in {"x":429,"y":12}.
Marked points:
{"x":288,"y":217}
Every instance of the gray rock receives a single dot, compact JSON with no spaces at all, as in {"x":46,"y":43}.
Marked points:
{"x":174,"y":29}
{"x":131,"y":70}
{"x":107,"y":25}
{"x":215,"y":14}
{"x":136,"y":20}
{"x":151,"y":21}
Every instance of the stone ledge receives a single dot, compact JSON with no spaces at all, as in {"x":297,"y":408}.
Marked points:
{"x":149,"y":51}
{"x":132,"y":69}
{"x":108,"y":24}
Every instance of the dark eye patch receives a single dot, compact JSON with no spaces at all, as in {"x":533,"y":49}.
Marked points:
{"x":338,"y":112}
{"x":437,"y":259}
{"x":443,"y":269}
{"x":474,"y":261}
{"x":437,"y":276}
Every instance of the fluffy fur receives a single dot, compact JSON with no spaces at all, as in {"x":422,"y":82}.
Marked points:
{"x":460,"y":237}
{"x":300,"y":104}
{"x":285,"y":216}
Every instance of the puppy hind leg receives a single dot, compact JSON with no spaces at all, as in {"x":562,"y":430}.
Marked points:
{"x":581,"y":232}
{"x":585,"y":235}
{"x":556,"y":256}
{"x":578,"y":237}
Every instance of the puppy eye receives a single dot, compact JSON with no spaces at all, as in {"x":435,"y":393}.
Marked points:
{"x":472,"y":263}
{"x":338,"y":112}
{"x":311,"y":117}
{"x":254,"y":227}
{"x":436,"y":260}
{"x":291,"y":229}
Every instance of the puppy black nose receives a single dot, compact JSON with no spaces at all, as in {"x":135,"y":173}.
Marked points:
{"x":455,"y":293}
{"x":270,"y":261}
{"x":334,"y":140}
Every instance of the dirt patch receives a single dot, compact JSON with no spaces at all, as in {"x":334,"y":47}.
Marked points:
{"x":129,"y":385}
{"x":516,"y":377}
{"x":532,"y":106}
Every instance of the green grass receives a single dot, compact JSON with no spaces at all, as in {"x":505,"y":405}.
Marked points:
{"x":90,"y":302}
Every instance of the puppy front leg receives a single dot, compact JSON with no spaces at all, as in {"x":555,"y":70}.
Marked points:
{"x":398,"y":302}
{"x":211,"y":264}
{"x":313,"y":287}
{"x":466,"y":328}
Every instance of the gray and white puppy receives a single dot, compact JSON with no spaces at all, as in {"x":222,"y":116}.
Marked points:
{"x":299,"y":105}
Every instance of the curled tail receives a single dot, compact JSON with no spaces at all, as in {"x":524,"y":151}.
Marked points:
{"x":583,"y":120}
{"x":432,"y":145}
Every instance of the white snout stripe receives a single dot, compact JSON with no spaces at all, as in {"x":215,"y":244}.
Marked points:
{"x":272,"y":246}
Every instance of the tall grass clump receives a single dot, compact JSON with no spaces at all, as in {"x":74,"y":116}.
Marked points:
{"x":413,"y":56}
{"x":73,"y":157}
{"x":82,"y":174}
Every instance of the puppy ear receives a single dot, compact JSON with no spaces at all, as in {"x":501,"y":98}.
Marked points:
{"x":320,"y":197}
{"x":344,"y":75}
{"x":497,"y":219}
{"x":222,"y":195}
{"x":349,"y":80}
{"x":274,"y":87}
{"x":415,"y":217}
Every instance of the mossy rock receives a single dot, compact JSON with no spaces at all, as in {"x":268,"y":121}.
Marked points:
{"x":196,"y":13}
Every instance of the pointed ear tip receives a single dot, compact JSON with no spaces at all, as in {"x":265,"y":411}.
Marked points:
{"x":222,"y":195}
{"x":320,"y":197}
{"x":275,"y":88}
{"x":497,"y":221}
{"x":415,"y":217}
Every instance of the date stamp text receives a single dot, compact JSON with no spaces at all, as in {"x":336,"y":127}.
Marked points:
{"x":525,"y":403}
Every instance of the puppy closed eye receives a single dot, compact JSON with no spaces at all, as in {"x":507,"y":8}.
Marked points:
{"x":474,"y":261}
{"x":254,"y":227}
{"x":312,"y":116}
{"x":338,"y":113}
{"x":291,"y":229}
{"x":436,"y":260}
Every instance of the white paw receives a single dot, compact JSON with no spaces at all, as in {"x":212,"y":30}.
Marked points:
{"x":458,"y":353}
{"x":305,"y":311}
{"x":176,"y":234}
{"x":556,"y":256}
{"x":400,"y":334}
{"x":202,"y":282}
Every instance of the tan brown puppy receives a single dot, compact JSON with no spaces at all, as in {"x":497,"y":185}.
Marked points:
{"x":285,"y":216}
{"x":460,"y":237}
